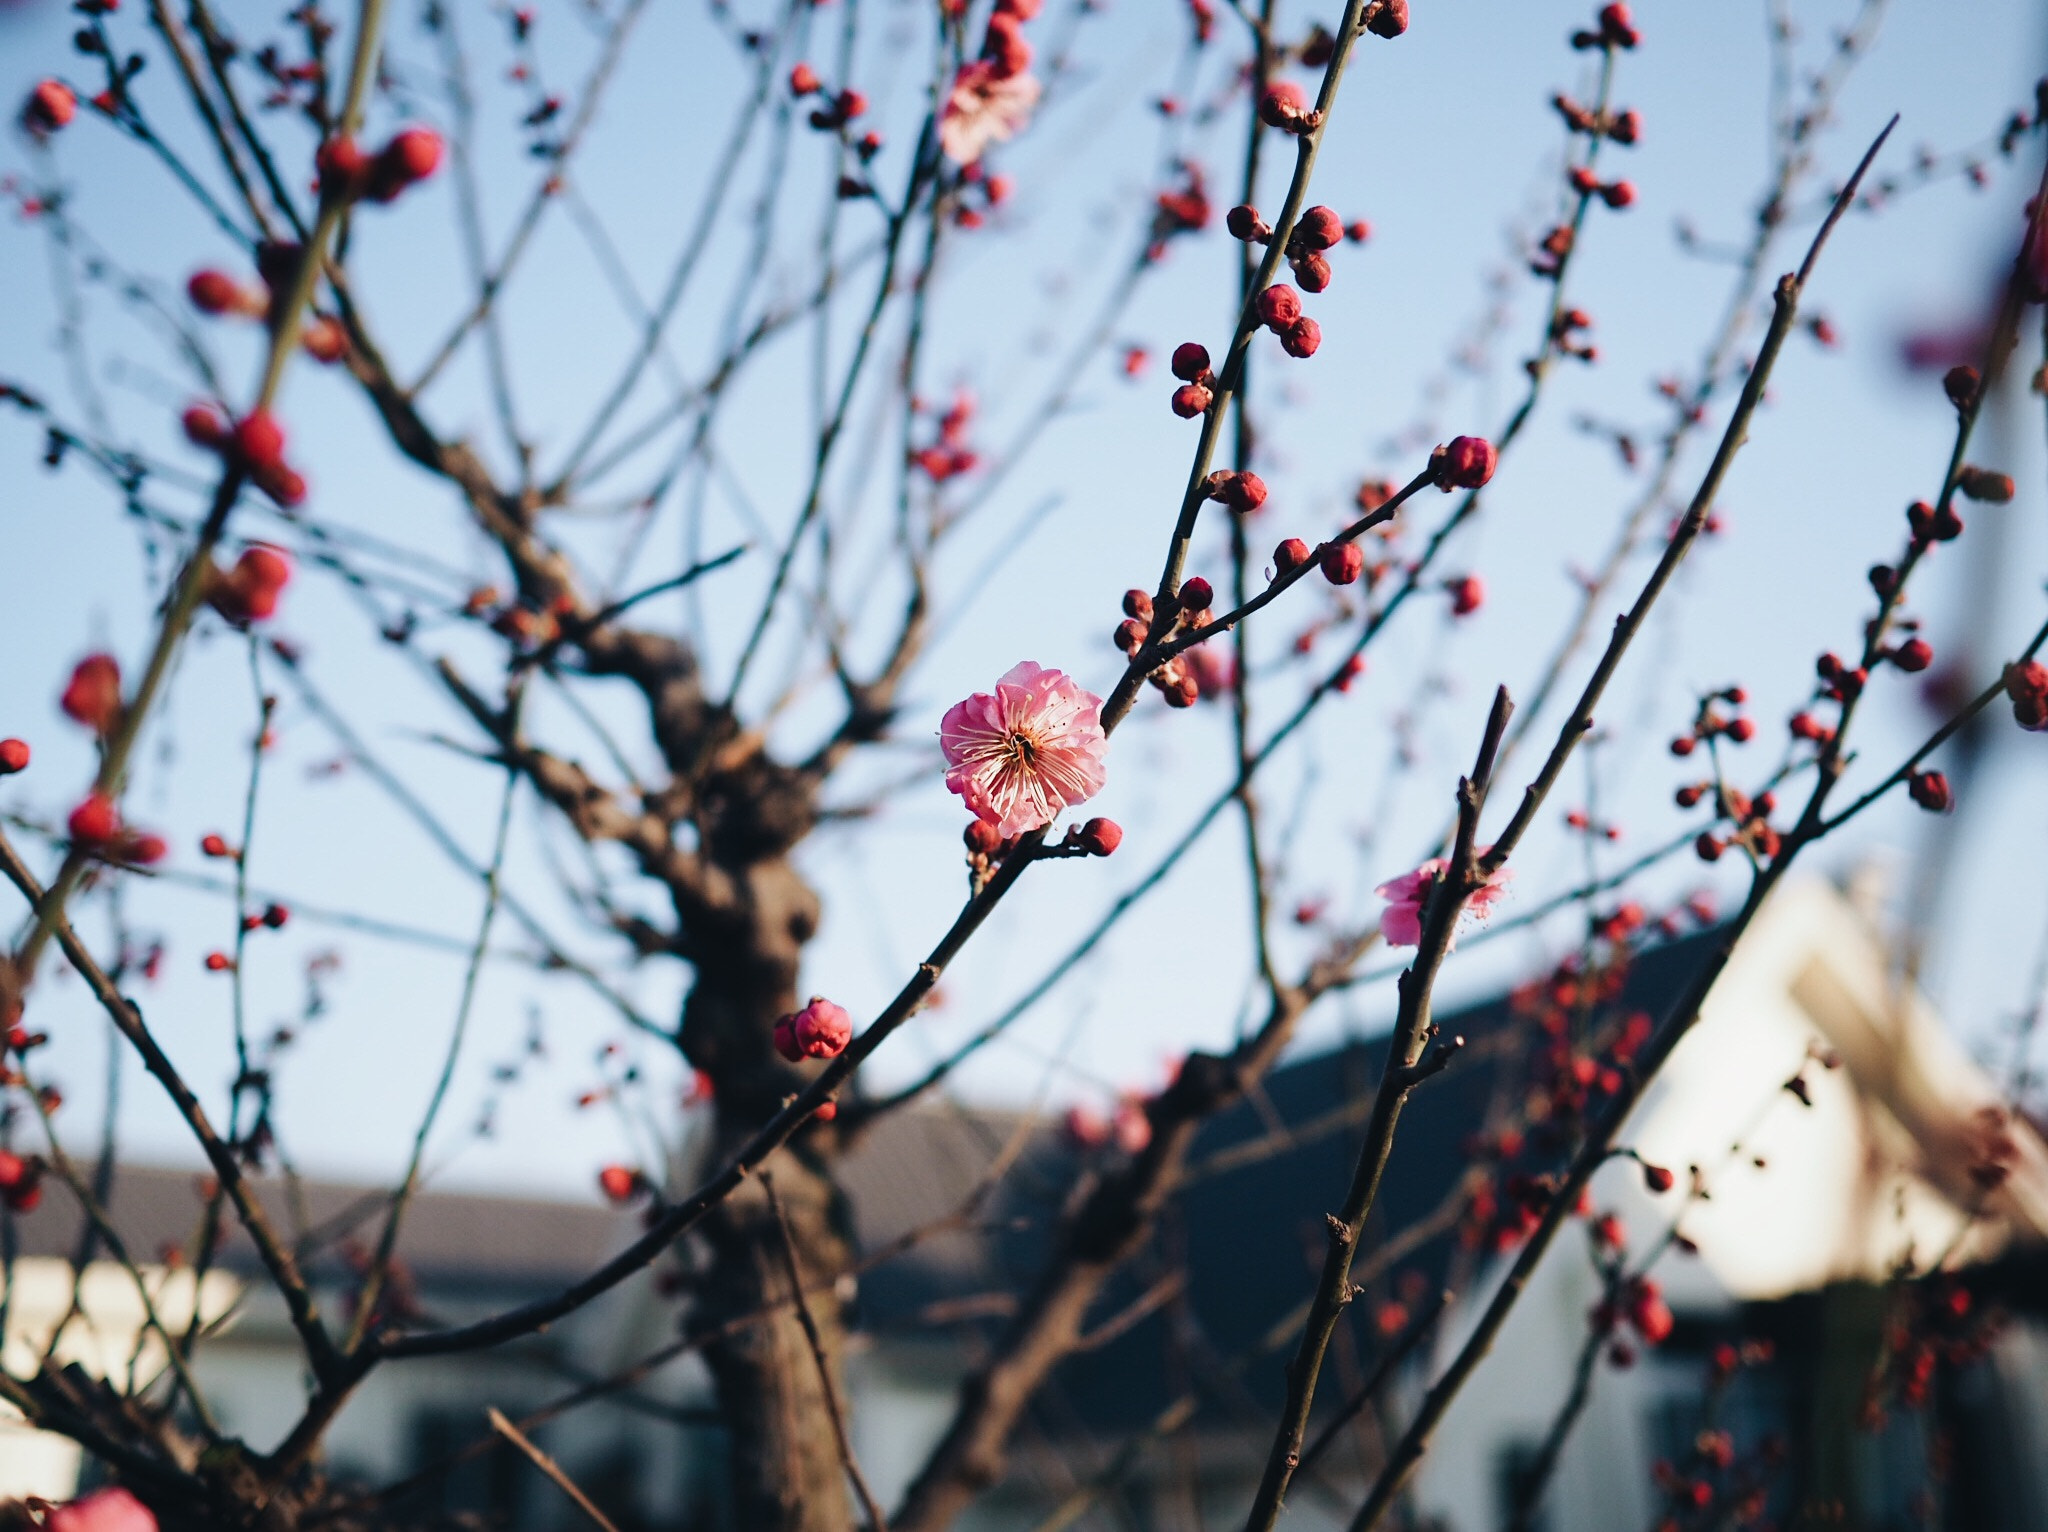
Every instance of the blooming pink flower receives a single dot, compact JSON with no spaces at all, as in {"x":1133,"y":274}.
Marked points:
{"x":985,"y":107}
{"x":105,"y":1510}
{"x":1401,"y":923}
{"x":1021,"y":754}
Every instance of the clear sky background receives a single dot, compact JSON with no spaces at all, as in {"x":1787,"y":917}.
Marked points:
{"x":1443,"y":140}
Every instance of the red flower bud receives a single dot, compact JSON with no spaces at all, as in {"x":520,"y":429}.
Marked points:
{"x":1741,"y":730}
{"x":1627,"y":127}
{"x":260,"y":440}
{"x":1101,"y":836}
{"x":1190,"y":400}
{"x":1190,"y":361}
{"x":1982,"y":484}
{"x":1619,"y":194}
{"x":1657,"y":1178}
{"x":204,"y":426}
{"x":1961,"y":385}
{"x":1914,"y":655}
{"x":1467,"y":463}
{"x":1282,"y":105}
{"x":1343,"y":563}
{"x":1138,"y":604}
{"x":411,"y":156}
{"x":1358,"y":231}
{"x":343,"y":167}
{"x":95,"y":823}
{"x":1318,"y":229}
{"x":93,"y":694}
{"x":1312,"y":271}
{"x":618,"y":1183}
{"x":215,"y":292}
{"x":821,"y":1030}
{"x":804,"y":81}
{"x":1243,"y":492}
{"x":1617,"y":26}
{"x":1277,"y":307}
{"x":1301,"y":338}
{"x":50,"y":106}
{"x":1386,"y":18}
{"x":1290,"y":555}
{"x":13,"y":756}
{"x":1930,"y":790}
{"x":1196,"y":595}
{"x":1244,"y":222}
{"x":324,"y":339}
{"x":1468,"y":594}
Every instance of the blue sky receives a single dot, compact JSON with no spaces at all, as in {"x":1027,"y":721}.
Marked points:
{"x":1443,"y":140}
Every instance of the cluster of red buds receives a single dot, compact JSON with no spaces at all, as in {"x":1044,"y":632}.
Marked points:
{"x":976,"y":184}
{"x":1704,"y":1487}
{"x":1932,"y":1323}
{"x":347,"y":174}
{"x":1198,"y":384}
{"x":1551,"y":250}
{"x":272,"y":917}
{"x":2027,"y":685}
{"x":1567,"y":336}
{"x":1182,"y":209}
{"x":256,"y":443}
{"x":1639,"y":1301}
{"x":1279,"y":309}
{"x":1749,"y":820}
{"x":50,"y":106}
{"x":1616,"y":29}
{"x":248,"y":591}
{"x":531,"y":627}
{"x":216,"y":293}
{"x":1465,"y":462}
{"x":1624,"y":127}
{"x":1128,"y":1126}
{"x":950,"y":456}
{"x":1243,"y":492}
{"x":821,"y":1030}
{"x":1317,"y":230}
{"x":1585,"y":824}
{"x":21,"y":1182}
{"x":96,"y":827}
{"x":1711,"y":723}
{"x":1179,"y":679}
{"x":1616,"y":194}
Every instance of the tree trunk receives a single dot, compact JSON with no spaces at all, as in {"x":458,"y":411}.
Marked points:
{"x":784,"y":1462}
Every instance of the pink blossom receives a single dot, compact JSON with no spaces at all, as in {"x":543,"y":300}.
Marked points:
{"x":1401,"y":923}
{"x":104,"y":1510}
{"x":1021,"y":754}
{"x":985,"y":107}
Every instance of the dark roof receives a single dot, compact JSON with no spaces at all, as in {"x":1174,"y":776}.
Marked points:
{"x":1248,"y":1228}
{"x":481,"y":1243}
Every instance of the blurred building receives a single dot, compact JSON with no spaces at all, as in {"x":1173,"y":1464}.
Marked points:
{"x":1815,"y":1202}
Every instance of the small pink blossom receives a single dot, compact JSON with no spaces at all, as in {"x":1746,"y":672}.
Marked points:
{"x":985,"y":107}
{"x":1401,"y":924}
{"x":1021,"y":754}
{"x":104,"y":1510}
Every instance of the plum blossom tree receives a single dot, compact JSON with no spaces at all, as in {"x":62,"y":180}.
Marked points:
{"x":745,"y":699}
